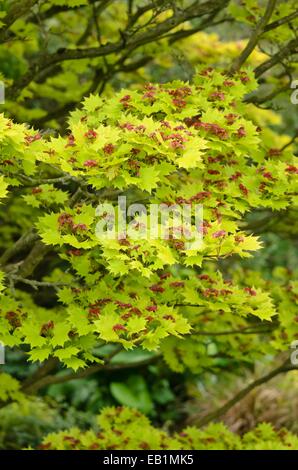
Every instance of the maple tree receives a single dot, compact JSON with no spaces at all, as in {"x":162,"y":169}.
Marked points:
{"x":73,"y":302}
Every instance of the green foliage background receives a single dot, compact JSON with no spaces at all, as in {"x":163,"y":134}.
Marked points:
{"x":163,"y":102}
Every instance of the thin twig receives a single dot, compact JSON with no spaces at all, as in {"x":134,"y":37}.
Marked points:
{"x":214,"y":415}
{"x":290,"y":142}
{"x":37,"y":284}
{"x":254,"y":38}
{"x":56,"y":379}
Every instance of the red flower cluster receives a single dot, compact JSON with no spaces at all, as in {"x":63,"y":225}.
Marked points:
{"x":79,"y":227}
{"x":241,"y":132}
{"x":74,"y":252}
{"x":93,"y":312}
{"x":177,"y":284}
{"x":214,"y":129}
{"x":91,"y":134}
{"x":235,"y":176}
{"x":119,"y":327}
{"x":217,"y":95}
{"x":71,"y":141}
{"x":151,"y":308}
{"x":250,"y":291}
{"x":274,"y":152}
{"x":231,"y":118}
{"x":13,"y":319}
{"x":219,"y":234}
{"x":206,"y":72}
{"x":122,"y":304}
{"x":243,"y":189}
{"x":156,"y":288}
{"x":90,"y":163}
{"x":36,"y":190}
{"x":32,"y":138}
{"x":197,"y":197}
{"x":109,"y":149}
{"x":66,"y":220}
{"x":165,"y":275}
{"x":178,"y":96}
{"x":47,"y":328}
{"x":243,"y":75}
{"x":292,"y":169}
{"x":210,"y":292}
{"x":125,"y":101}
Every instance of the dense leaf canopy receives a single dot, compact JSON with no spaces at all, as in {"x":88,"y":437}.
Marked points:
{"x":164,"y":103}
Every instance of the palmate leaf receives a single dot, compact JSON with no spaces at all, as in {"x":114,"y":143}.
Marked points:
{"x":192,"y":155}
{"x":149,"y":178}
{"x":3,"y":187}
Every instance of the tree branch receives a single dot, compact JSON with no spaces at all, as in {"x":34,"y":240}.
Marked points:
{"x":16,"y":10}
{"x":40,"y":250}
{"x":285,"y":367}
{"x":37,"y":284}
{"x":57,"y":9}
{"x":132,"y":42}
{"x":23,"y":243}
{"x":284,"y":147}
{"x":281,"y":21}
{"x":290,"y":48}
{"x":36,"y":255}
{"x":99,"y":78}
{"x":254,"y":38}
{"x":42,"y":371}
{"x":244,"y":331}
{"x":257,"y":100}
{"x":57,"y":379}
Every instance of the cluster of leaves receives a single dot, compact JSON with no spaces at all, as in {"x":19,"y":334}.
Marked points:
{"x":120,"y":429}
{"x":218,"y":333}
{"x":72,"y":296}
{"x":25,"y":423}
{"x":167,"y":144}
{"x":116,"y":43}
{"x":10,"y":389}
